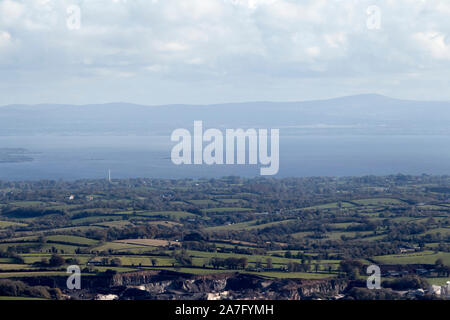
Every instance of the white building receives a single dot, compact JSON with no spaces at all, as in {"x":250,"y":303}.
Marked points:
{"x":443,"y":291}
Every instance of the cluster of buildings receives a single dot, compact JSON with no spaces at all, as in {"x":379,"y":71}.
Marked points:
{"x":438,"y":291}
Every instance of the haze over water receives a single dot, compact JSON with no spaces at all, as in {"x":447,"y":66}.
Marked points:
{"x":86,"y":157}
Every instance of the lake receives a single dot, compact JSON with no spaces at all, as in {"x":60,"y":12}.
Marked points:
{"x":90,"y":157}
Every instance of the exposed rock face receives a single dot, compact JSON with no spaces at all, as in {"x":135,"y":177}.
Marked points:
{"x":134,"y":278}
{"x":106,"y":297}
{"x":170,"y":285}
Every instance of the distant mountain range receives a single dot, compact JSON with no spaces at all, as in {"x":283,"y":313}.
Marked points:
{"x":361,"y":114}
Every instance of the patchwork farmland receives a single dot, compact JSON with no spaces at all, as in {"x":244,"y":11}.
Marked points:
{"x":315,"y":228}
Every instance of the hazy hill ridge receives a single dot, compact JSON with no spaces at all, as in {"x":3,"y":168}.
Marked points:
{"x":361,"y":114}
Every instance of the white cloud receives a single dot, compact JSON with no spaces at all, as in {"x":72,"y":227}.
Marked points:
{"x":172,"y":46}
{"x":261,"y":45}
{"x":436,"y":43}
{"x":5,"y":38}
{"x":10,"y":12}
{"x":313,"y":51}
{"x":336,"y":40}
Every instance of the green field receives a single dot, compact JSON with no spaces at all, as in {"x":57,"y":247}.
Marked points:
{"x":27,"y":203}
{"x":227,"y":210}
{"x":379,"y":202}
{"x":232,"y":201}
{"x":75,"y":240}
{"x":295,"y":275}
{"x":168,"y":214}
{"x":203,"y":202}
{"x":333,"y":205}
{"x":438,"y":281}
{"x":20,"y":299}
{"x":95,"y":219}
{"x":425,"y":257}
{"x":31,"y":274}
{"x":10,"y":267}
{"x":7,"y":224}
{"x":235,"y":226}
{"x":252,"y":225}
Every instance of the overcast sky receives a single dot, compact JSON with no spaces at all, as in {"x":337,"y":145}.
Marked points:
{"x":212,"y":51}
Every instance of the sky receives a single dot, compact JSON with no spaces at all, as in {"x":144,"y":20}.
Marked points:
{"x":214,"y":51}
